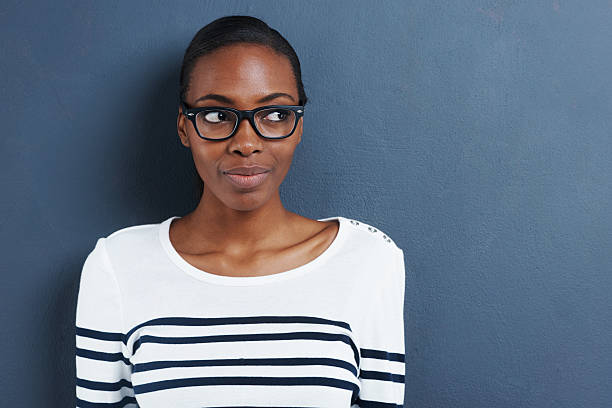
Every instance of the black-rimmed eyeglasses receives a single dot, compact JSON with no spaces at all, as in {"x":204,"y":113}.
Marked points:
{"x":221,"y":123}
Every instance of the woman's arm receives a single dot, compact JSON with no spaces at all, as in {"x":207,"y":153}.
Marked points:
{"x":103,"y":372}
{"x":382,"y":366}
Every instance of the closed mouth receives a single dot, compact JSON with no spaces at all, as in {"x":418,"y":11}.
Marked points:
{"x":247,"y":181}
{"x":247,"y":171}
{"x":236,"y":173}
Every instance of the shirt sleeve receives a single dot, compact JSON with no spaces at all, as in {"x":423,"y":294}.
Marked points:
{"x":103,"y":372}
{"x":382,"y":365}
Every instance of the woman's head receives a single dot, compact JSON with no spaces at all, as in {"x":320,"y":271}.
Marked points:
{"x":239,"y":62}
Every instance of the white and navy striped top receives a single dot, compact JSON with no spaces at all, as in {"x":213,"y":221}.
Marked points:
{"x":154,"y":331}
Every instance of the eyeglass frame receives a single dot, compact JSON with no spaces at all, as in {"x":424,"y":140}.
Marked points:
{"x":249,"y":114}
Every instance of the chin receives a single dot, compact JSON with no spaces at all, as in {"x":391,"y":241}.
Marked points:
{"x":247,"y":201}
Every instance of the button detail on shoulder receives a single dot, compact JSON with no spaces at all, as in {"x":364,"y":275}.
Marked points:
{"x":371,"y":229}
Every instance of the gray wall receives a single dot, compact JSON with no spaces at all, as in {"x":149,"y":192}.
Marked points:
{"x":477,"y":134}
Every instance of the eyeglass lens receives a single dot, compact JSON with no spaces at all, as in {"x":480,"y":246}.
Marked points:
{"x":218,"y":124}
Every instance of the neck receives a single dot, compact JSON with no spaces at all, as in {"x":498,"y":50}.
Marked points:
{"x":239,"y":230}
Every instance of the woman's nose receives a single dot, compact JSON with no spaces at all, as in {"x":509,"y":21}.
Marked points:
{"x":246,"y":140}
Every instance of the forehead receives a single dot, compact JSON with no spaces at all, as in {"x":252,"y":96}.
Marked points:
{"x":242,"y":72}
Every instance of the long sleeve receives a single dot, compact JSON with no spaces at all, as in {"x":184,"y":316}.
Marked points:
{"x":102,"y":369}
{"x":382,"y":367}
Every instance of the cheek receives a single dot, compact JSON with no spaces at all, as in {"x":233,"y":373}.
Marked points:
{"x":205,"y":157}
{"x":284,"y":158}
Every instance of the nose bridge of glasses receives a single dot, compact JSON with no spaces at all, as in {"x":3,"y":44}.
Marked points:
{"x":250,"y":119}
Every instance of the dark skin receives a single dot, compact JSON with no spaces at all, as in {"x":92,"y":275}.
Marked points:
{"x":233,"y":231}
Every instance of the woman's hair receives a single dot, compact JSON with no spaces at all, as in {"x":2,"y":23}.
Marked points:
{"x":230,"y":30}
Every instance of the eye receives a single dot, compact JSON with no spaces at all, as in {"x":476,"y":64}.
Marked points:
{"x":215,"y":117}
{"x":277,"y":115}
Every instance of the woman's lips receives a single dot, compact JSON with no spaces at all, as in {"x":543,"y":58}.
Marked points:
{"x":247,"y":181}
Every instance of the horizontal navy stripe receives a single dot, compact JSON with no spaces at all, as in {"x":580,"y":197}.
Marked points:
{"x":103,"y":386}
{"x":274,"y":381}
{"x":375,"y":404}
{"x":99,"y":355}
{"x":250,"y":337}
{"x":383,"y":355}
{"x":379,"y":375}
{"x":215,"y":321}
{"x":156,"y":365}
{"x":119,"y":404}
{"x":99,"y":335}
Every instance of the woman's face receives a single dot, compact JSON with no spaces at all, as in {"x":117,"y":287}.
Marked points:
{"x":240,"y":76}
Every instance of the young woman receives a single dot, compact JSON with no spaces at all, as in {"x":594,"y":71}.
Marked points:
{"x":241,"y":302}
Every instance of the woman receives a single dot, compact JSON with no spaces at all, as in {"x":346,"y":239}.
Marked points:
{"x":241,"y":302}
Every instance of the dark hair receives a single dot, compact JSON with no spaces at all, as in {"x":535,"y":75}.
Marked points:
{"x":229,"y":30}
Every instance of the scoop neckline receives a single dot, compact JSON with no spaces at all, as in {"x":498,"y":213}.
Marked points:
{"x":200,"y":274}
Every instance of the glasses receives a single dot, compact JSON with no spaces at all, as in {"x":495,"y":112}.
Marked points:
{"x":221,"y":123}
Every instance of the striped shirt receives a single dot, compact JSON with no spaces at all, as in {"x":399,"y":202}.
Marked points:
{"x":154,"y":331}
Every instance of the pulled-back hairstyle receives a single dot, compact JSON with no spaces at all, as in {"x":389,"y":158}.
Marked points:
{"x":232,"y":30}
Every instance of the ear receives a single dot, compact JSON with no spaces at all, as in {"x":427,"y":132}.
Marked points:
{"x":299,"y":130}
{"x":181,"y":122}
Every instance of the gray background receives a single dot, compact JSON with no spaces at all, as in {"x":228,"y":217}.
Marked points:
{"x":477,"y":134}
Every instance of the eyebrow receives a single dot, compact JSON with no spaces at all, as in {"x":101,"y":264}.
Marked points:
{"x":225,"y":99}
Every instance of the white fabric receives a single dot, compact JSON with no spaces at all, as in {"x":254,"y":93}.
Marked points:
{"x":154,"y":331}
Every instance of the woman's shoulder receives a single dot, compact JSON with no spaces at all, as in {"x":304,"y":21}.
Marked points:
{"x":370,"y":233}
{"x":132,"y":231}
{"x":132,"y":240}
{"x":373,"y":251}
